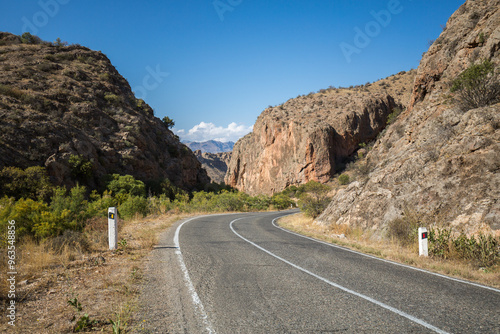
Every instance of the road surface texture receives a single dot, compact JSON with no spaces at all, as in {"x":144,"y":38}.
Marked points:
{"x":242,"y":274}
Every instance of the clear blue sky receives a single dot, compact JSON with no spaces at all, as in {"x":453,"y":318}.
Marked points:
{"x":213,"y":66}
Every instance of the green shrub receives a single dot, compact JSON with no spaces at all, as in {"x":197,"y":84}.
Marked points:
{"x":11,"y":91}
{"x":281,"y":201}
{"x":405,"y":229}
{"x":344,"y":179}
{"x":59,"y":43}
{"x":477,"y":86}
{"x":290,"y":191}
{"x":127,"y":185}
{"x":256,"y":203}
{"x":33,"y":182}
{"x":99,"y":205}
{"x":313,"y":198}
{"x":25,"y":212}
{"x":112,"y":98}
{"x":202,"y":201}
{"x":71,"y":208}
{"x":134,"y":205}
{"x":440,"y":243}
{"x":228,"y":201}
{"x":51,"y":223}
{"x":81,"y":168}
{"x":169,"y":123}
{"x":159,"y":205}
{"x":313,"y":206}
{"x":482,"y":250}
{"x":28,"y":38}
{"x":394,"y":115}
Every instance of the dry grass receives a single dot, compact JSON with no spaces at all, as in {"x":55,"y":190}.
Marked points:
{"x":106,"y":283}
{"x":362,"y":241}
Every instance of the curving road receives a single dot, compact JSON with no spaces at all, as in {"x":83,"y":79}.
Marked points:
{"x":242,"y":274}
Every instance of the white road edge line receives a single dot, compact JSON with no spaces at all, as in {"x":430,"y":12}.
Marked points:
{"x":376,"y":302}
{"x":196,"y":299}
{"x":384,"y":260}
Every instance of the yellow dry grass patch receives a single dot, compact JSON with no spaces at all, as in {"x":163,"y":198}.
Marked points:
{"x":106,"y":283}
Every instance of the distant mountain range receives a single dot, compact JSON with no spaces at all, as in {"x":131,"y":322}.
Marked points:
{"x":211,"y":146}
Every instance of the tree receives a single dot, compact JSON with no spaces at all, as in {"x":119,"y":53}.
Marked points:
{"x":314,"y":198}
{"x":281,"y":201}
{"x":33,"y":182}
{"x":478,"y":86}
{"x":168,"y":122}
{"x":126,"y":185}
{"x":58,"y":42}
{"x":28,"y":38}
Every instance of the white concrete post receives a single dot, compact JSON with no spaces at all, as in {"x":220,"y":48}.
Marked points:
{"x":112,"y":228}
{"x":423,"y":246}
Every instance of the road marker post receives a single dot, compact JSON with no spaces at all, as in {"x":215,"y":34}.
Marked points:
{"x":423,"y":243}
{"x":112,"y":228}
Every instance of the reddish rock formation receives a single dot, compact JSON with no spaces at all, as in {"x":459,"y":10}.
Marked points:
{"x":304,"y":138}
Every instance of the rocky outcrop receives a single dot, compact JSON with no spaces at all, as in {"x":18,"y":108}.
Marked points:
{"x":214,"y":163}
{"x":306,"y":138}
{"x":439,"y":161}
{"x":62,"y":101}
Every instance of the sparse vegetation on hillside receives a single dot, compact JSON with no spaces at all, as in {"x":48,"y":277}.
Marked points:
{"x":478,"y":86}
{"x":66,"y":107}
{"x":444,"y":243}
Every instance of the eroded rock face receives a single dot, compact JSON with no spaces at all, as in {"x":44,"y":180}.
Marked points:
{"x":308,"y":137}
{"x":304,"y":138}
{"x":214,"y":163}
{"x":437,"y":160}
{"x":56,"y":102}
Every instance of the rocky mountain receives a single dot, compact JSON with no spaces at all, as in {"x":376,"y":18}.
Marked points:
{"x":437,"y":159}
{"x":214,"y":163}
{"x":211,"y":146}
{"x":310,"y":137}
{"x":64,"y":107}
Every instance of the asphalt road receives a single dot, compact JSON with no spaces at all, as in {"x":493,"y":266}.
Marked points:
{"x":242,"y":274}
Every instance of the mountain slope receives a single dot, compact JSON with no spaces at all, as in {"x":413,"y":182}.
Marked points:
{"x":438,"y":161}
{"x":62,"y":103}
{"x":211,"y":146}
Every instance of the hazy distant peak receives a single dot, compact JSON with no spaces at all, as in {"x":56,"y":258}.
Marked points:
{"x":211,"y":146}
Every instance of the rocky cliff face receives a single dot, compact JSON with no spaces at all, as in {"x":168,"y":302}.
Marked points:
{"x":441,"y":162}
{"x":63,"y":101}
{"x":307,"y":137}
{"x":214,"y":163}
